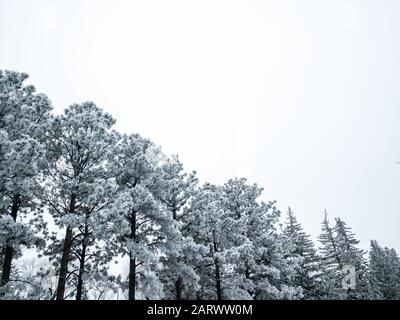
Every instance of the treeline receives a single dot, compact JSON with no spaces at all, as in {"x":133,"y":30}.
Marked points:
{"x":77,"y":197}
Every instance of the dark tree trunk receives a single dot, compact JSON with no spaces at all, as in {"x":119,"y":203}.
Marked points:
{"x":9,"y":251}
{"x":218,"y":279}
{"x":79,"y":286}
{"x":178,"y":289}
{"x":132,"y":278}
{"x":179,"y":281}
{"x":217,"y":271}
{"x":5,"y":276}
{"x":62,"y":278}
{"x":132,"y":260}
{"x":174,"y":213}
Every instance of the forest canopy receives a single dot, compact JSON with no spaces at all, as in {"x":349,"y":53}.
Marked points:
{"x":77,"y":197}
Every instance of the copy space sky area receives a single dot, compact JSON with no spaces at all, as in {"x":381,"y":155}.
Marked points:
{"x":302,"y":97}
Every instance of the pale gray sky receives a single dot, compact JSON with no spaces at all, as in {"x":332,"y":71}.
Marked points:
{"x":301,"y":97}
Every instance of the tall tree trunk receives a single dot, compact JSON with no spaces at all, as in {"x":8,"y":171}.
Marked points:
{"x":179,"y":281}
{"x":217,"y":270}
{"x":79,"y":286}
{"x":178,"y":289}
{"x":62,"y":278}
{"x":132,"y":260}
{"x":218,"y":279}
{"x":9,"y":251}
{"x":132,"y":278}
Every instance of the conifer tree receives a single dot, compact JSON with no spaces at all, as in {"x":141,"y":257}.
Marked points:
{"x":308,"y":275}
{"x":384,"y":270}
{"x":141,"y":227}
{"x":330,"y":264}
{"x":24,"y":118}
{"x":340,"y":251}
{"x":177,"y":187}
{"x":247,"y":258}
{"x":349,"y":254}
{"x":78,"y":150}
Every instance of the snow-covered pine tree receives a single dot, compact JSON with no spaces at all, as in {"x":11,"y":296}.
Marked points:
{"x":247,"y":258}
{"x":350,"y":254}
{"x":376,"y":269}
{"x":394,"y":270}
{"x":384,"y":270}
{"x":141,"y":227}
{"x":78,"y":149}
{"x":270,"y":268}
{"x":330,"y":264}
{"x":339,"y":250}
{"x":205,"y":224}
{"x":176,"y":188}
{"x":89,"y":260}
{"x":237,"y":201}
{"x":24,"y":119}
{"x":92,"y":260}
{"x":308,"y":274}
{"x":241,"y":202}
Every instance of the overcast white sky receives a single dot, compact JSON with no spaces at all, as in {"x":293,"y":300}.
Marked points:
{"x":302,"y":97}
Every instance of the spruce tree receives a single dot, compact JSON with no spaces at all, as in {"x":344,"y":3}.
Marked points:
{"x":330,"y":263}
{"x":308,"y":274}
{"x":384,"y":270}
{"x":349,"y":254}
{"x":340,"y":251}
